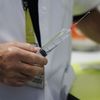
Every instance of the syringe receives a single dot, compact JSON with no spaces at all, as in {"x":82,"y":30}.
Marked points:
{"x":38,"y":81}
{"x":59,"y":37}
{"x":54,"y":42}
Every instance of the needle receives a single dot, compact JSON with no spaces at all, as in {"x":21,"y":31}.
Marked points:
{"x":59,"y":38}
{"x":83,"y":17}
{"x":48,"y":47}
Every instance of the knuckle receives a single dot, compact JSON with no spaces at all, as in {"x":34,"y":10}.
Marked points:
{"x":39,"y":71}
{"x":12,"y":43}
{"x":40,"y":60}
{"x":45,"y":61}
{"x":13,"y":81}
{"x":12,"y":50}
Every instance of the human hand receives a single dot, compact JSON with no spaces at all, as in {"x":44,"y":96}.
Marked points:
{"x":19,"y":63}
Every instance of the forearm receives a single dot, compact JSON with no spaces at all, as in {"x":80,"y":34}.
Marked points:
{"x":90,"y":26}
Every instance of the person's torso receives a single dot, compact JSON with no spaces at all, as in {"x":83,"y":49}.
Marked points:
{"x":54,"y":15}
{"x":12,"y":24}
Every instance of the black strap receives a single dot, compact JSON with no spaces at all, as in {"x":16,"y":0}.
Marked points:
{"x":71,"y":97}
{"x":33,"y":10}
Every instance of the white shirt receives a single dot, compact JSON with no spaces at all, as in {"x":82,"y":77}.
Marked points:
{"x":11,"y":21}
{"x":54,"y":15}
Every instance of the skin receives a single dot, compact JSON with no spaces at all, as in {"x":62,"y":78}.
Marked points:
{"x":90,"y":26}
{"x":19,"y":63}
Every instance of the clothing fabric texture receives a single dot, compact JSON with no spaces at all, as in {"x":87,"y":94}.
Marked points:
{"x":54,"y":15}
{"x":58,"y":73}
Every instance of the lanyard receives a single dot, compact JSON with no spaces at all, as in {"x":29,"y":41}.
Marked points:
{"x":32,"y":5}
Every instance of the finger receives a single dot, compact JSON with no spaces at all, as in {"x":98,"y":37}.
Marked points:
{"x":17,"y":76}
{"x":31,"y":58}
{"x":30,"y":71}
{"x":25,"y":46}
{"x":13,"y":82}
{"x":27,"y":56}
{"x":16,"y":79}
